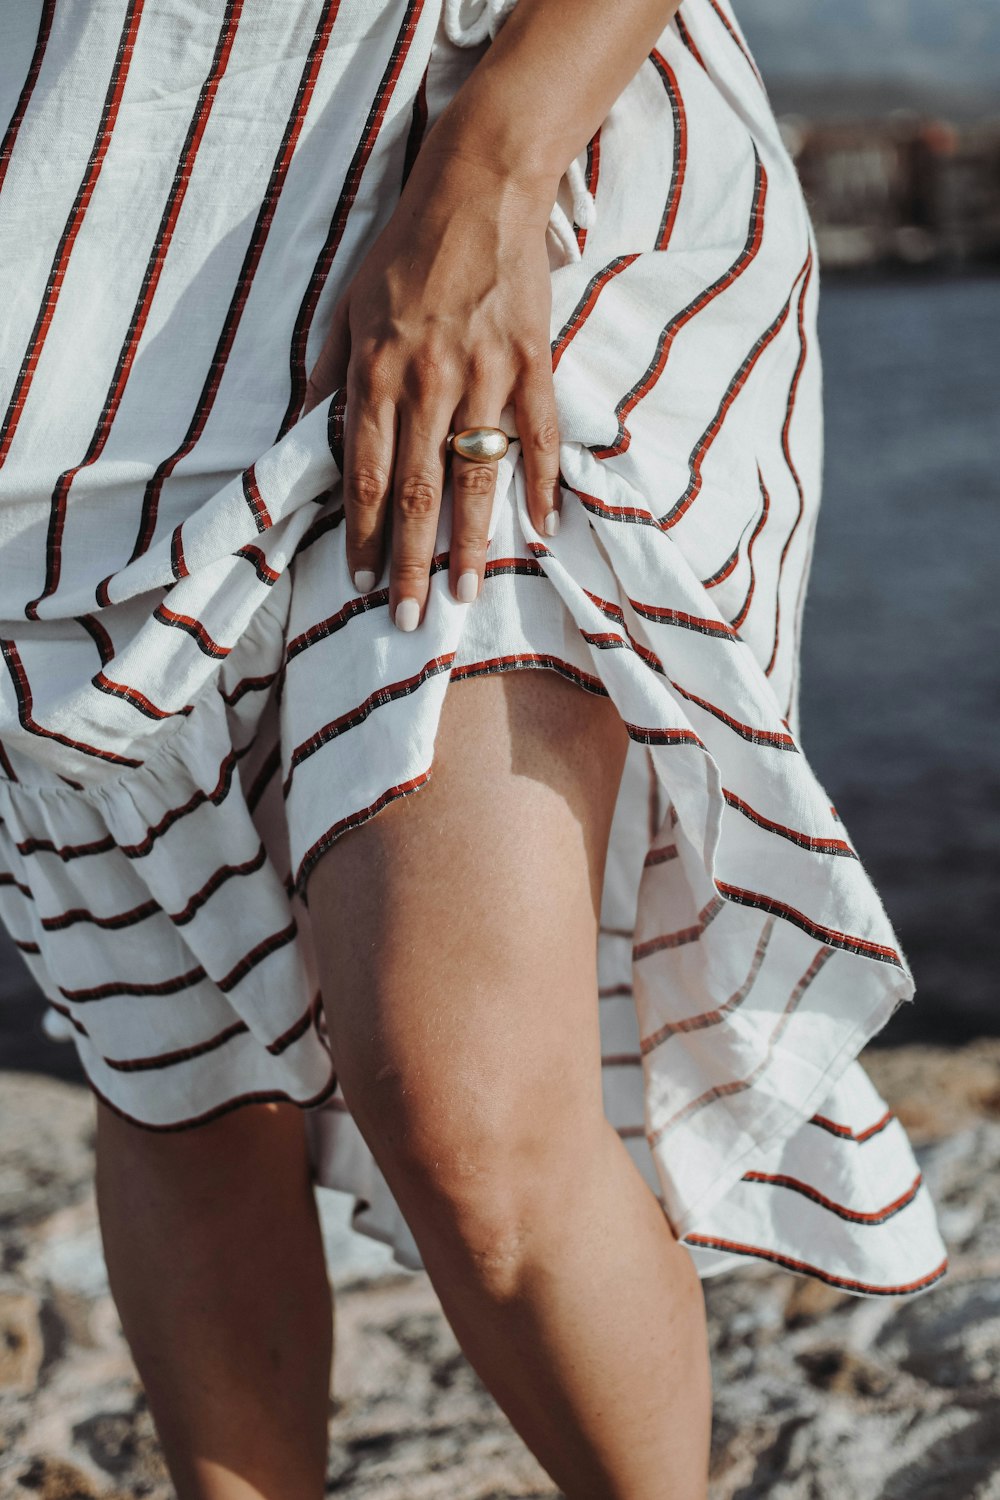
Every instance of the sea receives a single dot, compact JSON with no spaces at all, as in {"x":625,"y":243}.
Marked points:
{"x":900,"y":698}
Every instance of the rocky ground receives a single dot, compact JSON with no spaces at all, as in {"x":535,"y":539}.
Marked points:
{"x":819,"y":1395}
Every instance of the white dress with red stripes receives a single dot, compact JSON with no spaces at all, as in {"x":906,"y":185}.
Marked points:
{"x":195,"y":702}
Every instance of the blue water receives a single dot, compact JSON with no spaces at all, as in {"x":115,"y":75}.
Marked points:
{"x":901,"y":644}
{"x":901,"y":648}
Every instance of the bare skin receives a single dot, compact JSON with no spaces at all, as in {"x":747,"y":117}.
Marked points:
{"x":457,"y":937}
{"x":216,"y":1263}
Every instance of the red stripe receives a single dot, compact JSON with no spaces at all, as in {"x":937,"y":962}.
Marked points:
{"x":706,"y":1018}
{"x":819,"y":930}
{"x":22,"y":691}
{"x":662,"y":616}
{"x":260,"y":1096}
{"x":354,"y":820}
{"x":252,"y":495}
{"x":732,"y":32}
{"x":587,"y":303}
{"x":761,"y":523}
{"x":244,"y":283}
{"x":875,"y":1216}
{"x":129,"y":987}
{"x":136,"y":699}
{"x":804,"y":840}
{"x":740,"y":1085}
{"x":6,"y":765}
{"x":248,"y":685}
{"x":496,"y":567}
{"x":99,"y":635}
{"x":255,"y":556}
{"x":715,"y":1242}
{"x":185,"y":981}
{"x":179,"y":1055}
{"x":660,"y":856}
{"x":257,"y":954}
{"x":596,"y":285}
{"x":530,"y":659}
{"x":216,"y":796}
{"x":845,"y":1131}
{"x":786,"y":450}
{"x":66,"y":852}
{"x":212,"y":884}
{"x":178,"y":562}
{"x":112,"y":924}
{"x":321,"y":271}
{"x":773,"y":737}
{"x":592,"y":174}
{"x":628,"y":513}
{"x":751,"y":247}
{"x":199,"y":1049}
{"x":686,"y":38}
{"x":46,"y":312}
{"x":378,"y":699}
{"x":193,"y":628}
{"x":140,"y":313}
{"x":31,"y":78}
{"x":739,"y":380}
{"x":680,"y":148}
{"x":682,"y":936}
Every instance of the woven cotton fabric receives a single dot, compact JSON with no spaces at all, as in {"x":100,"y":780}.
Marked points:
{"x":195,"y":703}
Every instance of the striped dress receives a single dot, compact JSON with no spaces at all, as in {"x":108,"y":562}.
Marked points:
{"x":195,"y":703}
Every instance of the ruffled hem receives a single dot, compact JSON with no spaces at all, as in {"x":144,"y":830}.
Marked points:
{"x":744,"y":1107}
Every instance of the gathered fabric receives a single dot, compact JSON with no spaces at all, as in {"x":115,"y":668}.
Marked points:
{"x":195,"y":704}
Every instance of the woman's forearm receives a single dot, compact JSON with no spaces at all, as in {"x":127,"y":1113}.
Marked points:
{"x":545,"y":84}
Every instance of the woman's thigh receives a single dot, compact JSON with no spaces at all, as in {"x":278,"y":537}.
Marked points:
{"x":457,"y":937}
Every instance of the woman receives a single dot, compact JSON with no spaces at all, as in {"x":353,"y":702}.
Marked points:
{"x":577,"y":1022}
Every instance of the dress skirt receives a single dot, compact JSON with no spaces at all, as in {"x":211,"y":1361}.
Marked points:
{"x":195,"y":702}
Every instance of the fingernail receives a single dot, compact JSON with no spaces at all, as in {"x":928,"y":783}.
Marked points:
{"x":407,"y":616}
{"x":364,"y":580}
{"x":552,"y":523}
{"x":468,"y":587}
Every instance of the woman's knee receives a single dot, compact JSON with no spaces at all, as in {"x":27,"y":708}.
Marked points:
{"x":477,"y":1164}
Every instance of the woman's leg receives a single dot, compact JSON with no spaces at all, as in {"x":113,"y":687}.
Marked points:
{"x":216,"y":1262}
{"x":457,"y":936}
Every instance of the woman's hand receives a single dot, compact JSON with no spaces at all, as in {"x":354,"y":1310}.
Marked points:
{"x":445,"y":323}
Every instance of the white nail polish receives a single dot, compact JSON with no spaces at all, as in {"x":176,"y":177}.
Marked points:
{"x":364,"y":580}
{"x":552,"y":523}
{"x":407,"y":616}
{"x":468,"y":587}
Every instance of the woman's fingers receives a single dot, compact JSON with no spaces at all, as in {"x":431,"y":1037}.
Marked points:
{"x":538,"y":431}
{"x":473,"y":487}
{"x":369,"y":440}
{"x":417,"y":485}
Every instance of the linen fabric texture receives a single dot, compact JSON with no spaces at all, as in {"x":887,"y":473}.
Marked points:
{"x":195,"y":703}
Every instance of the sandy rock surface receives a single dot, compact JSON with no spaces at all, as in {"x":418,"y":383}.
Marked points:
{"x":818,"y":1395}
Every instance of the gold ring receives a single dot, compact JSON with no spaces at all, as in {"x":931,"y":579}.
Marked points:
{"x":480,"y":445}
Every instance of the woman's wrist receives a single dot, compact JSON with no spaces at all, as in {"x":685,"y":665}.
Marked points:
{"x":539,"y":93}
{"x":464,"y":164}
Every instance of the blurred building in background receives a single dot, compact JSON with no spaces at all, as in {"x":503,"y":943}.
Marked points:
{"x":906,"y":188}
{"x":891,"y":109}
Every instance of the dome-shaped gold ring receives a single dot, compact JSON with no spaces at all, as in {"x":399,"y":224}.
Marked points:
{"x":480,"y":445}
